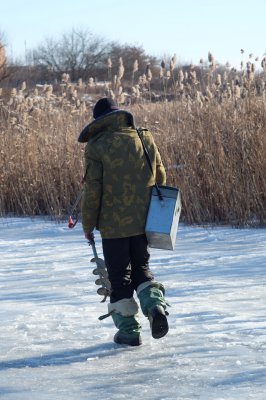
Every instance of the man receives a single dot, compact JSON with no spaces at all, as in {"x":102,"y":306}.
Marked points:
{"x":115,"y":201}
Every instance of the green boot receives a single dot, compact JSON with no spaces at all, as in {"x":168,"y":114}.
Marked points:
{"x":153,"y":305}
{"x":125,"y":316}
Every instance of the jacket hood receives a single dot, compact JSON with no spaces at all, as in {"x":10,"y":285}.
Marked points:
{"x":114,"y":120}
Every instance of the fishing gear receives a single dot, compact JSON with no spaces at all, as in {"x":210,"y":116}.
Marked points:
{"x":73,"y":222}
{"x":101,"y":271}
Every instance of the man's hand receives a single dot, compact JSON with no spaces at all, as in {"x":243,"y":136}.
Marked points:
{"x":89,"y":236}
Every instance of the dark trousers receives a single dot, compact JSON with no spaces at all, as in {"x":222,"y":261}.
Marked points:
{"x":127,"y":262}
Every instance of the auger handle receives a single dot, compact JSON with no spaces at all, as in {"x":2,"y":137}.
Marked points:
{"x":92,"y":244}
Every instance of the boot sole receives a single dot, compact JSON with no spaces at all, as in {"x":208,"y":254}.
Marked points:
{"x":124,"y":339}
{"x":159,"y":323}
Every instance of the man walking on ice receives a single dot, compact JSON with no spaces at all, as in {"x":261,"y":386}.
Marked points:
{"x":117,"y":190}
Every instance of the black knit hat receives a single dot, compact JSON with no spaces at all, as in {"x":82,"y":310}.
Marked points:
{"x":104,"y":106}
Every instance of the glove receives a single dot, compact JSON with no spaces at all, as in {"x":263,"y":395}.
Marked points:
{"x":89,"y":235}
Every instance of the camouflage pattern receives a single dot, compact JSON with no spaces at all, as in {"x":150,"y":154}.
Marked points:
{"x":118,"y":180}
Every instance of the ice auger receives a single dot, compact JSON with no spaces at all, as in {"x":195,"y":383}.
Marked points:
{"x":100,"y":270}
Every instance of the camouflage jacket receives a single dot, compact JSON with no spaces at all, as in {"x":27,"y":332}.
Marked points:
{"x":118,"y":179}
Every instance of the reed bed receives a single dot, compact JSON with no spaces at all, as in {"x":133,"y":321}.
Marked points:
{"x":217,"y":158}
{"x":211,"y":133}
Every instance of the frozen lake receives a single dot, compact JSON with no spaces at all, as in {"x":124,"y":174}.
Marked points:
{"x":54,"y":347}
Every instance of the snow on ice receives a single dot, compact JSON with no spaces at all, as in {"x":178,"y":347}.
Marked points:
{"x":53,"y":347}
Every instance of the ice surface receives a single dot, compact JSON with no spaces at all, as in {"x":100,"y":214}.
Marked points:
{"x":52,"y":345}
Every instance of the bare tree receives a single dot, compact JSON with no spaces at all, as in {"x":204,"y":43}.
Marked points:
{"x":130,"y":55}
{"x":78,"y":53}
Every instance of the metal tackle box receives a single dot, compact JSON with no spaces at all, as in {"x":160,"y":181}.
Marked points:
{"x":163,"y":217}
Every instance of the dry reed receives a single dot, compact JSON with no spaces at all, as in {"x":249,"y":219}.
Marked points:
{"x":211,"y":135}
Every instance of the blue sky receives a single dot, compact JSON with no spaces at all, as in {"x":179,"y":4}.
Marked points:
{"x":188,"y":29}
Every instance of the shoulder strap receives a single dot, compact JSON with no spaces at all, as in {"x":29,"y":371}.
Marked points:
{"x":145,"y":149}
{"x":139,"y":132}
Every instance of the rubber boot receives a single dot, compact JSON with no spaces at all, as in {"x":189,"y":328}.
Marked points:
{"x":153,"y":305}
{"x":125,"y":316}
